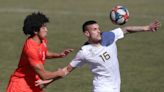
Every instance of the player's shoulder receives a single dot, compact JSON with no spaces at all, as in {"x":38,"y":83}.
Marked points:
{"x":84,"y":50}
{"x":107,"y":38}
{"x":30,"y":44}
{"x":85,"y":46}
{"x":107,"y":33}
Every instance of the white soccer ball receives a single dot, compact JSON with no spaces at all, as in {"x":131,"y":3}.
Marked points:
{"x":119,"y":15}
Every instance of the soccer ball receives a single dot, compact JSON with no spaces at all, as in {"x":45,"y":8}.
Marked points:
{"x":119,"y":15}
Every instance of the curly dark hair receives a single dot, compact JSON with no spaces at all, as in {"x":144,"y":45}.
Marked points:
{"x":34,"y":22}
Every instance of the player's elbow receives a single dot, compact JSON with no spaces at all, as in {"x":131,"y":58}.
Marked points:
{"x":128,"y":29}
{"x":125,"y":30}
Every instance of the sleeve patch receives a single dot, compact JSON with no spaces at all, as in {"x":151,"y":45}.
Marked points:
{"x":107,"y":38}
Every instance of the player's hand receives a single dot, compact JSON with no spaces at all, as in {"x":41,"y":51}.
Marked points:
{"x":42,"y":83}
{"x":154,"y":26}
{"x":66,"y":52}
{"x":61,"y":72}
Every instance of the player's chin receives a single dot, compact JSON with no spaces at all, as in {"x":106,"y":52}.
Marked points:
{"x":99,"y":38}
{"x":98,"y":41}
{"x":43,"y":37}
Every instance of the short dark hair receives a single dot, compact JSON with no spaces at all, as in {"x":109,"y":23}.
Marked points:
{"x":90,"y":22}
{"x":34,"y":22}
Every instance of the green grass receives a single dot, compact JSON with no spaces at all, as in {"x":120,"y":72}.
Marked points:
{"x":140,"y":55}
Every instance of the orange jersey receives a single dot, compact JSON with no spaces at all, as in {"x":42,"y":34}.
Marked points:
{"x":32,"y":54}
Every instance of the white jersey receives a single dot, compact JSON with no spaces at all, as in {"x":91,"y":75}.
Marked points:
{"x":103,"y":62}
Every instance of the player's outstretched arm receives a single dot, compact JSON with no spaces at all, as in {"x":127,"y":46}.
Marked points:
{"x":63,"y":54}
{"x":152,"y":27}
{"x":46,"y":75}
{"x":44,"y":83}
{"x":68,"y":69}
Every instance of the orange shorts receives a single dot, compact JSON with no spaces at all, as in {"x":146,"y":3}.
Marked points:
{"x":17,"y":84}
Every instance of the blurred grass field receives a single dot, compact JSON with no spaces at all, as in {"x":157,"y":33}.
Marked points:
{"x":140,"y":55}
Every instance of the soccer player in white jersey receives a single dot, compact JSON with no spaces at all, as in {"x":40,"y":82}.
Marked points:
{"x":100,"y":53}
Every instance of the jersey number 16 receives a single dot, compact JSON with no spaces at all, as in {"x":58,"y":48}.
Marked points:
{"x":105,"y":56}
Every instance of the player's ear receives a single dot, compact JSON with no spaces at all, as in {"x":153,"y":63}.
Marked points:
{"x":35,"y":32}
{"x":86,"y":33}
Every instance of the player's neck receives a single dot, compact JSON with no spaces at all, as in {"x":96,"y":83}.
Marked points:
{"x":37,"y":39}
{"x":97,"y":44}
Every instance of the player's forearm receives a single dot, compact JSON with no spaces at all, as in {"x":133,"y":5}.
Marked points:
{"x":68,"y":69}
{"x":57,"y":74}
{"x":133,"y":29}
{"x":53,"y":55}
{"x":47,"y":79}
{"x":44,"y":83}
{"x":51,"y":75}
{"x":46,"y":75}
{"x":63,"y":54}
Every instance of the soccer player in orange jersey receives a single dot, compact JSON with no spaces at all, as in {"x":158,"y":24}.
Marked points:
{"x":34,"y":53}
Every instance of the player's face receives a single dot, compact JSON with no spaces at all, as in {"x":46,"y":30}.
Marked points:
{"x":93,"y":33}
{"x":43,"y":31}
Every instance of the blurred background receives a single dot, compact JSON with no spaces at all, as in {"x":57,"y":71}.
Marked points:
{"x":140,"y":55}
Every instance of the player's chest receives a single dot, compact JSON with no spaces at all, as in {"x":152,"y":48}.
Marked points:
{"x":101,"y":55}
{"x":42,"y":52}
